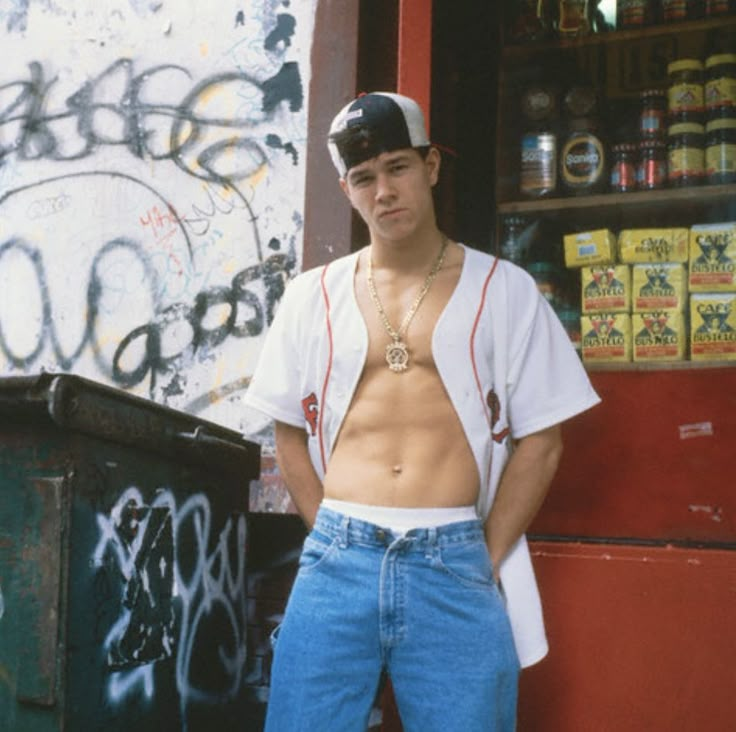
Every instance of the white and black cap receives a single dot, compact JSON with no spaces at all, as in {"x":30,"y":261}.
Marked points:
{"x":373,"y":124}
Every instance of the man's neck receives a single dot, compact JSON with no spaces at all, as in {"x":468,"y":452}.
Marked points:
{"x":417,"y":253}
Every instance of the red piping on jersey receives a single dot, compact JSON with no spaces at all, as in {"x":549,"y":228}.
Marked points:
{"x":327,"y":372}
{"x":486,"y":408}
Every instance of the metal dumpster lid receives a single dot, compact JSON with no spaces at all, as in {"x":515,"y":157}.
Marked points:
{"x":79,"y":404}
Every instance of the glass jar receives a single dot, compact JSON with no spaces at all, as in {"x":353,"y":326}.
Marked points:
{"x":633,"y":13}
{"x":538,"y":164}
{"x":583,"y":158}
{"x":720,"y":151}
{"x":685,"y":96}
{"x":653,"y":114}
{"x":514,"y":244}
{"x":651,"y":172}
{"x":623,"y":168}
{"x":674,"y":11}
{"x":686,"y":154}
{"x":573,"y":18}
{"x":720,"y":82}
{"x":717,"y":7}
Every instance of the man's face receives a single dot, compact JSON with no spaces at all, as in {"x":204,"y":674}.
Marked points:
{"x":393,"y":191}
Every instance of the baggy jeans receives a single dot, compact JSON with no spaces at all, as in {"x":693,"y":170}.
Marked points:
{"x":422,"y":607}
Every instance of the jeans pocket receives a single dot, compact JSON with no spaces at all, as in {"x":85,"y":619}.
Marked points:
{"x":317,"y":548}
{"x":469,"y":563}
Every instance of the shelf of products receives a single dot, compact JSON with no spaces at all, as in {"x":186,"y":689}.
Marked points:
{"x":623,"y":131}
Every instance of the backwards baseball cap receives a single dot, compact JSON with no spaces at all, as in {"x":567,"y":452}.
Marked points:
{"x":373,"y":124}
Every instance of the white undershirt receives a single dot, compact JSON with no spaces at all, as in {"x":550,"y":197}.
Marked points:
{"x":401,"y":520}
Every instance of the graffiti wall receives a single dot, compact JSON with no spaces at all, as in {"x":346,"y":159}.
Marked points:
{"x":152,"y":166}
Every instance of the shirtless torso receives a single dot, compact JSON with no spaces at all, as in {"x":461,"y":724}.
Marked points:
{"x":402,"y":443}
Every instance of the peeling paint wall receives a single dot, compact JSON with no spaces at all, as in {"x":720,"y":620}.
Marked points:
{"x":152,"y":167}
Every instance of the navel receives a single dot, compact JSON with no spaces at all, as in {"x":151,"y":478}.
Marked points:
{"x":396,"y":470}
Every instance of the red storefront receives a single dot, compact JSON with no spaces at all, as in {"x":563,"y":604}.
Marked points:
{"x":635,"y":548}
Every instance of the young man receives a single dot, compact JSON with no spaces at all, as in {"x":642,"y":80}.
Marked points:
{"x":417,"y":387}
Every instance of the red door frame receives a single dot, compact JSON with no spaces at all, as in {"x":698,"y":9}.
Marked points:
{"x":414,"y":70}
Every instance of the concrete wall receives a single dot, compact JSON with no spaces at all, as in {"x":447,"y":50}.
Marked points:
{"x":152,"y":167}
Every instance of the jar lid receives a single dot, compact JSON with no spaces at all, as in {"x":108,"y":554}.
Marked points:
{"x":538,"y":102}
{"x":685,"y":128}
{"x":684,"y":64}
{"x":721,"y":124}
{"x":653,"y":144}
{"x":580,"y":101}
{"x":720,"y":58}
{"x":624,"y":147}
{"x":647,"y":93}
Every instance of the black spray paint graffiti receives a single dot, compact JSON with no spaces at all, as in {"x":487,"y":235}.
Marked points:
{"x":184,"y":137}
{"x":248,"y":314}
{"x":183,"y":587}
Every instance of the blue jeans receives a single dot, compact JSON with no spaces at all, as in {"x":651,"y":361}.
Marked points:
{"x":423,"y":607}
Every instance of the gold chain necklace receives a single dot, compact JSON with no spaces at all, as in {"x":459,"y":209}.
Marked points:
{"x":397,"y":352}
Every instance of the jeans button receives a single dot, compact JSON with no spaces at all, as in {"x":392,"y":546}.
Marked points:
{"x":381,"y":535}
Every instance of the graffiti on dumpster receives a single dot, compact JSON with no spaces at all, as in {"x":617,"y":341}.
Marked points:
{"x":151,"y":196}
{"x":183,"y":583}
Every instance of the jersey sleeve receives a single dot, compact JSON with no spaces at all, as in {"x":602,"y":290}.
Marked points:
{"x":275,"y":385}
{"x":547,"y":381}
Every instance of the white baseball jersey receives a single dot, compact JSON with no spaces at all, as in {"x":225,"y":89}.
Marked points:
{"x":500,"y":350}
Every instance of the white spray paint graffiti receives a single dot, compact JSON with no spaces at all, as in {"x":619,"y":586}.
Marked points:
{"x":165,"y":557}
{"x":152,"y":163}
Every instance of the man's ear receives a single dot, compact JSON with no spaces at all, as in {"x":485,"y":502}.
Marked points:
{"x":433,"y":161}
{"x":345,"y":189}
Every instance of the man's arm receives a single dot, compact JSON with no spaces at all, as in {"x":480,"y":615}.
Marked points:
{"x":292,"y":456}
{"x":522,"y":489}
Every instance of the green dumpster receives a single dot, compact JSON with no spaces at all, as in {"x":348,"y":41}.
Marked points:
{"x":123,"y":532}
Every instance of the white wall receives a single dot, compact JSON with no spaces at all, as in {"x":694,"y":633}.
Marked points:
{"x":152,"y":166}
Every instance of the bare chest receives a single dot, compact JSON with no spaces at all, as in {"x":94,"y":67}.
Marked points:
{"x":393,"y":311}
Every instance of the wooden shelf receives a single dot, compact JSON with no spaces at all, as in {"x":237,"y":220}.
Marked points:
{"x":667,"y":196}
{"x":659,"y":366}
{"x":520,"y":51}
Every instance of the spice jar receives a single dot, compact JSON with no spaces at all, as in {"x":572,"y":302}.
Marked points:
{"x":717,"y":7}
{"x":653,"y":114}
{"x":633,"y":13}
{"x":623,"y":168}
{"x":651,"y":172}
{"x":720,"y":82}
{"x":583,"y":158}
{"x":678,"y":10}
{"x":720,"y":151}
{"x":685,"y":97}
{"x":686,"y":154}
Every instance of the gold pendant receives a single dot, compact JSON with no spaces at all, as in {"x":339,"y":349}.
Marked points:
{"x":397,"y":356}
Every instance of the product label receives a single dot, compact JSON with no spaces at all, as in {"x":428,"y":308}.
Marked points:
{"x":538,"y":164}
{"x":653,"y":245}
{"x":605,"y":288}
{"x":712,"y":257}
{"x":659,"y":286}
{"x":658,"y":335}
{"x":720,"y":92}
{"x":686,"y":162}
{"x":720,"y":158}
{"x":713,"y":326}
{"x":685,"y":97}
{"x":606,"y":337}
{"x":582,"y":160}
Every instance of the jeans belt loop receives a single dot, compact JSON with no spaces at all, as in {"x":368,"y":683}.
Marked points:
{"x":431,"y":542}
{"x":344,"y":535}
